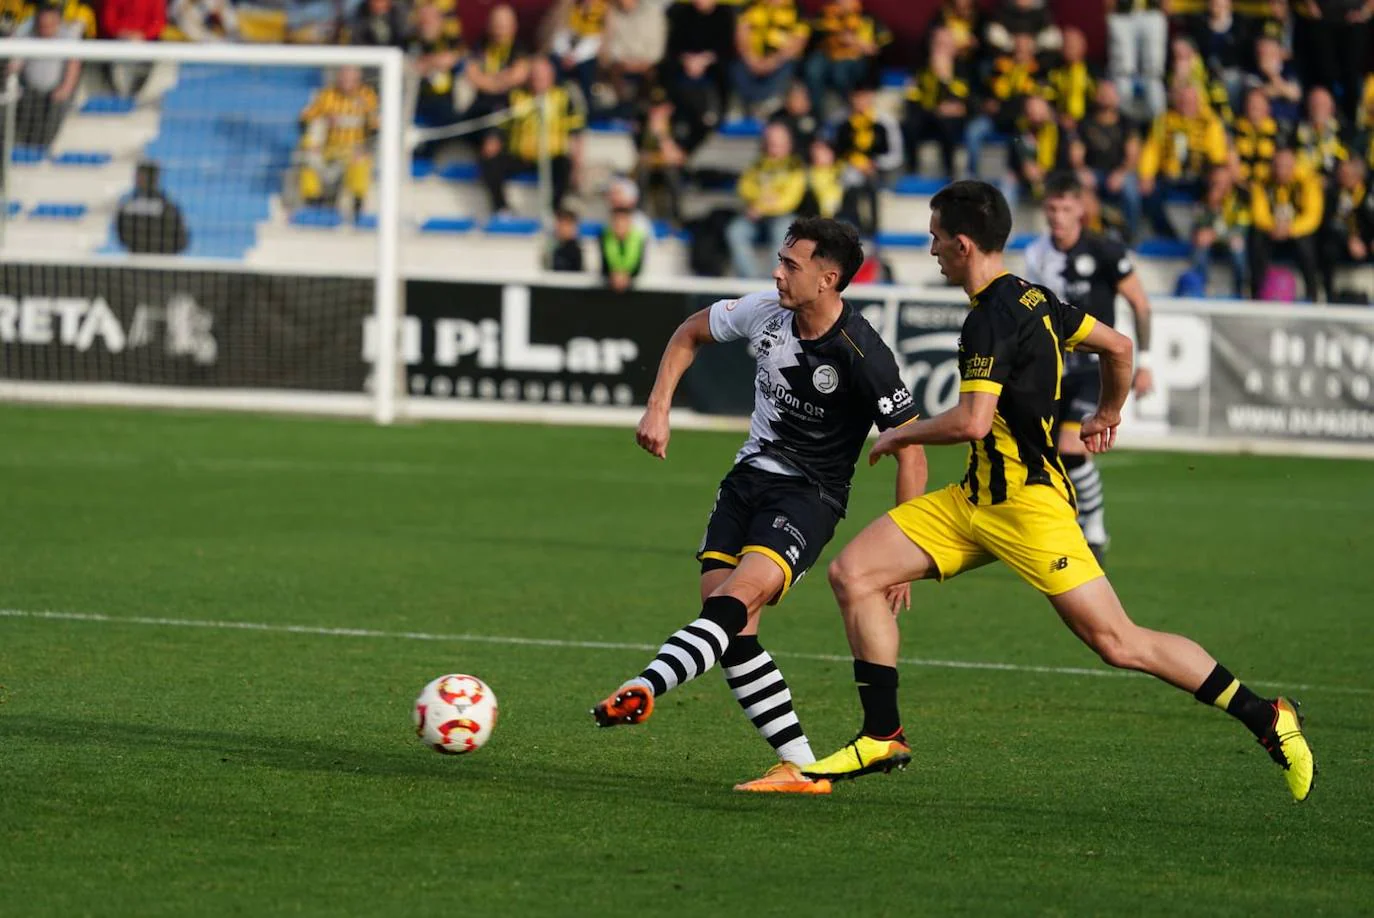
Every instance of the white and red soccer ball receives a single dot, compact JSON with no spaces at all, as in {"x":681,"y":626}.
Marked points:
{"x":455,"y":714}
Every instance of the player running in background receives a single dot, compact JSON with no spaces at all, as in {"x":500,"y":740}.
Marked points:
{"x":1015,"y":503}
{"x":1088,"y":270}
{"x":824,"y":378}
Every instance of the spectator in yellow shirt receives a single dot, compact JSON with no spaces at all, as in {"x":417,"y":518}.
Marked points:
{"x":1286,"y":213}
{"x":772,"y":190}
{"x":541,"y":104}
{"x":1184,"y":143}
{"x":847,"y":46}
{"x":339,"y":124}
{"x":770,"y":37}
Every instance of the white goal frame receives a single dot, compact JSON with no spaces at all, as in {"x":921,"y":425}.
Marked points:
{"x":390,"y":160}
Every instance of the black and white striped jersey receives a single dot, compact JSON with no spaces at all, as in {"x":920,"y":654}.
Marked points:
{"x":814,"y":401}
{"x":1086,"y":275}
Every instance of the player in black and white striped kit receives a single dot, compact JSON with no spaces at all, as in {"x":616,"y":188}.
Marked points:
{"x":824,"y":377}
{"x":1087,"y":270}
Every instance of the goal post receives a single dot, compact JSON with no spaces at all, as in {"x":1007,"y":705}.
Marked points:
{"x":210,"y":324}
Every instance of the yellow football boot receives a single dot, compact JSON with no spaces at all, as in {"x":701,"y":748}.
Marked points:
{"x":863,"y":755}
{"x":1288,"y":747}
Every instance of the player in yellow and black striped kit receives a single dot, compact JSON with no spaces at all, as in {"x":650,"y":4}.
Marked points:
{"x":1015,"y":503}
{"x":339,"y":123}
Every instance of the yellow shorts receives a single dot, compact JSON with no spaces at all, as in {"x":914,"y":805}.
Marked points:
{"x":1034,"y":532}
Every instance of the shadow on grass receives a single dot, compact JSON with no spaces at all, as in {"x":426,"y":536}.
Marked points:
{"x":201,"y":748}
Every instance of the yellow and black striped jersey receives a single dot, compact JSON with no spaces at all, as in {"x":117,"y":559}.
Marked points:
{"x":928,"y":90}
{"x":1012,"y":346}
{"x":1322,"y":146}
{"x":836,"y":24}
{"x":347,"y":119}
{"x":587,"y":18}
{"x":493,"y":57}
{"x":1255,"y":145}
{"x":563,"y":116}
{"x":771,"y":28}
{"x":78,"y":18}
{"x":453,"y":26}
{"x":1071,"y":89}
{"x":1231,"y":217}
{"x":1013,"y":79}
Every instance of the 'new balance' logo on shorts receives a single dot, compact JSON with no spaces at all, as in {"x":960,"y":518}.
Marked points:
{"x":1059,"y":564}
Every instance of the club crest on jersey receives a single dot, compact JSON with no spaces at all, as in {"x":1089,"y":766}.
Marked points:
{"x":1084,"y":265}
{"x":825,"y":379}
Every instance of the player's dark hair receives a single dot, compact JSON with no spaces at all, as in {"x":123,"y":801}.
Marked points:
{"x":1061,"y":183}
{"x":836,"y":242}
{"x":976,"y":210}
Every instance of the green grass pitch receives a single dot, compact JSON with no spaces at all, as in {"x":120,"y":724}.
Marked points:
{"x":153,"y":768}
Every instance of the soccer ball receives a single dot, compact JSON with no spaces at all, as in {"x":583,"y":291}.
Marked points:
{"x":455,"y":714}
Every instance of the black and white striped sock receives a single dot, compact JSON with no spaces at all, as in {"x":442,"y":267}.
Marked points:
{"x":696,"y":647}
{"x":1087,"y":485}
{"x":758,"y":686}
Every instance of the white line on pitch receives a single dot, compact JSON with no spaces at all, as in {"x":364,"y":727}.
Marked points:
{"x":318,"y":630}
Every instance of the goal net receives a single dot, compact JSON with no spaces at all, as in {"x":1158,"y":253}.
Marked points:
{"x":199,"y":225}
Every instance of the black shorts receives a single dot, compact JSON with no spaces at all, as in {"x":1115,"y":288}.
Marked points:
{"x":1079,"y":392}
{"x":779,"y":516}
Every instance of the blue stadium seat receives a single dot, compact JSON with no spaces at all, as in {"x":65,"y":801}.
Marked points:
{"x":49,"y":210}
{"x":421,"y":168}
{"x":366,"y":221}
{"x":918,"y":185}
{"x":742,"y":127}
{"x":448,"y":225}
{"x":107,"y":105}
{"x":893,"y":78}
{"x":458,"y":172}
{"x":512,"y":226}
{"x":24,"y":155}
{"x":1019,"y":242}
{"x":12,"y":208}
{"x":609,"y":126}
{"x":82,"y":158}
{"x":316,"y":217}
{"x":1164,"y":248}
{"x":903,"y":240}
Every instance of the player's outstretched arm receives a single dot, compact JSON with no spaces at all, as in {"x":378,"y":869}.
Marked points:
{"x":1115,"y":353}
{"x":652,"y":434}
{"x":970,"y":419}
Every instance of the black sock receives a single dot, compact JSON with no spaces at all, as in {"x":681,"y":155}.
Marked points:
{"x":878,"y":694}
{"x":696,"y":647}
{"x":1225,"y":691}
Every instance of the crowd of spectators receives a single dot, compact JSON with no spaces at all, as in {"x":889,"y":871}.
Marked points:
{"x":1255,"y":115}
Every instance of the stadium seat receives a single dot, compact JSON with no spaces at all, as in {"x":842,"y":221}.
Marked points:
{"x":1164,"y":248}
{"x":47,"y":210}
{"x":741,"y":127}
{"x":903,"y":240}
{"x":512,"y":226}
{"x":326,"y":217}
{"x":918,"y":185}
{"x":107,"y":105}
{"x":23,"y":155}
{"x":12,"y":208}
{"x":82,"y":158}
{"x":448,"y":225}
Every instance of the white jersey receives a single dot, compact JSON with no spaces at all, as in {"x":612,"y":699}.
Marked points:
{"x":814,"y":400}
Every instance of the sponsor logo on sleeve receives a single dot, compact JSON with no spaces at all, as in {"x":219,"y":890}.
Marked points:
{"x":977,"y":367}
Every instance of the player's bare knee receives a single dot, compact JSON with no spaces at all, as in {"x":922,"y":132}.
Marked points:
{"x":1121,"y":648}
{"x":846,"y":578}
